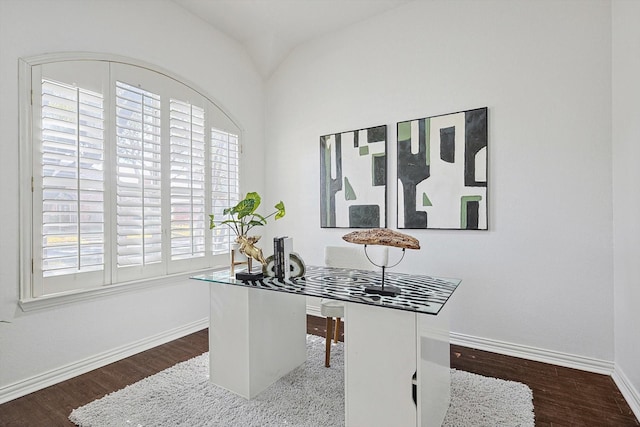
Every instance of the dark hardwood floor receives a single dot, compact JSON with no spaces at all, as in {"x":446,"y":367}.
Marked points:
{"x":562,"y":396}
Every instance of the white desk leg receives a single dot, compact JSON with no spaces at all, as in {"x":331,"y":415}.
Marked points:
{"x":434,"y":376}
{"x":380,"y":360}
{"x":255,"y":337}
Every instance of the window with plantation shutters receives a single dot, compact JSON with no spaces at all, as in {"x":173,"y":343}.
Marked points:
{"x":139,"y":176}
{"x":72,"y":162}
{"x":187,"y":151}
{"x":225,"y":190}
{"x":124,"y":166}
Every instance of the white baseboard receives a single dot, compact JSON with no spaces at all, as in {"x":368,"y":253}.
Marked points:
{"x":534,"y":353}
{"x":631,"y":395}
{"x":518,"y":350}
{"x":49,"y":378}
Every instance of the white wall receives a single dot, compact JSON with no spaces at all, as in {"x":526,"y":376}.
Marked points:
{"x":160,"y":33}
{"x":542,"y":276}
{"x":626,"y":194}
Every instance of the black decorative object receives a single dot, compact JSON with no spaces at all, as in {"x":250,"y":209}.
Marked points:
{"x":249,"y":277}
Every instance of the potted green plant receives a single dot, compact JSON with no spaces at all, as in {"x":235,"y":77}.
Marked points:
{"x":242,"y":218}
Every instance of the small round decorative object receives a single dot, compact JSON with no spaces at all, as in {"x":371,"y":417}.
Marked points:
{"x":297,"y":267}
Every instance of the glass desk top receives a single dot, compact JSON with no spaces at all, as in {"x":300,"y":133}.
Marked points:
{"x":421,"y":294}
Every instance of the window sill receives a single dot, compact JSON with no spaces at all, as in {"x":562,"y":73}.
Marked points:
{"x":55,"y":300}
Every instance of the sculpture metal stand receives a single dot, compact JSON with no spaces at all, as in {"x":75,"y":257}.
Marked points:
{"x":386,"y":290}
{"x":382,"y":237}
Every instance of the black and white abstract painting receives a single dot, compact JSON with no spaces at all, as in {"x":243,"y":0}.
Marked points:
{"x":353,"y":179}
{"x":442,"y":171}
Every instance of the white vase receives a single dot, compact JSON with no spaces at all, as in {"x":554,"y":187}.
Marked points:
{"x":236,"y":258}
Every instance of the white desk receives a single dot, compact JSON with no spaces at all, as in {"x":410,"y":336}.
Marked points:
{"x":395,"y":347}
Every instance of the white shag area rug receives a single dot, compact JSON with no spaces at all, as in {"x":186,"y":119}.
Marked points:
{"x":309,"y":396}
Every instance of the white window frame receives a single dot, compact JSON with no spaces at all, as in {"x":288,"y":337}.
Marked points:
{"x":32,"y":296}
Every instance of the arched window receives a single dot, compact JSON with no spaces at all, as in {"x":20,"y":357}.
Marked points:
{"x":125,"y":164}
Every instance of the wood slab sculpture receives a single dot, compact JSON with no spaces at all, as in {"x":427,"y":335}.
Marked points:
{"x":383,"y":237}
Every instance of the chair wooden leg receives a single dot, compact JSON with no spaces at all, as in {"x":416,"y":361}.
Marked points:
{"x":329,"y":334}
{"x":336,"y":338}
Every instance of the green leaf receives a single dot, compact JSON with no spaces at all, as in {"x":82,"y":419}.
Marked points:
{"x":254,"y":223}
{"x":247,"y":206}
{"x":255,"y":199}
{"x":243,"y":216}
{"x":281,"y":211}
{"x":263,"y":220}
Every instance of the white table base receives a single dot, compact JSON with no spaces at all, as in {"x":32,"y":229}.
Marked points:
{"x":255,"y":337}
{"x":383,"y":350}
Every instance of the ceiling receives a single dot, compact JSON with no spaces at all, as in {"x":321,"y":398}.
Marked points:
{"x":270,"y":29}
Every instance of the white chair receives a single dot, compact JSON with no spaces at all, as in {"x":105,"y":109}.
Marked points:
{"x":343,"y":257}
